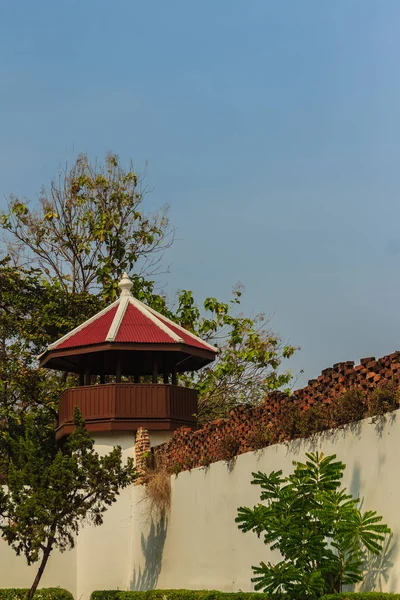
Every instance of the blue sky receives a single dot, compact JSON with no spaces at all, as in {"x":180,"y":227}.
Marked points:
{"x":272,"y":128}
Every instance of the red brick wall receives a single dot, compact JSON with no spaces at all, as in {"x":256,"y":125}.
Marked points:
{"x":235,"y":434}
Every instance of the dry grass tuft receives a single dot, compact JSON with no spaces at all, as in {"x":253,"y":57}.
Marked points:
{"x":157,"y":489}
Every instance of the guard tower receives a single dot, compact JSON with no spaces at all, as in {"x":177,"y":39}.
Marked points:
{"x":134,"y":347}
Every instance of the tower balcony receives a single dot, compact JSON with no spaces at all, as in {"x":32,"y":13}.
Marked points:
{"x":126,"y":407}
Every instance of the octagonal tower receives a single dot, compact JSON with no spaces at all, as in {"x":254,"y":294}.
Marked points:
{"x":121,"y":355}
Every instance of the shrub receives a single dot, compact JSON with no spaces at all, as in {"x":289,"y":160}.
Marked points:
{"x":288,"y":419}
{"x":107,"y":595}
{"x":148,"y":460}
{"x":383,"y":399}
{"x":259,"y":436}
{"x":229,"y":447}
{"x":176,"y":468}
{"x":40,"y":594}
{"x":313,"y":420}
{"x":205,"y":460}
{"x":189,"y":463}
{"x":319,"y":530}
{"x":362,"y":596}
{"x":177,"y":595}
{"x":351,"y":406}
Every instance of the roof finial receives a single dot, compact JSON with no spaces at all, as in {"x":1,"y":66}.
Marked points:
{"x":125,"y":285}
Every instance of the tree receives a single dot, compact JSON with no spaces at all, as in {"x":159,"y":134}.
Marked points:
{"x":317,"y":527}
{"x":89,"y":228}
{"x":246,"y":368}
{"x":33,"y":313}
{"x":51,"y":487}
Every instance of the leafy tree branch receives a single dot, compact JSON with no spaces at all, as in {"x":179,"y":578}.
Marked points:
{"x":318,"y":528}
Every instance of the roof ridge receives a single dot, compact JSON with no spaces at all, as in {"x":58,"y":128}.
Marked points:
{"x":152,"y":315}
{"x":193,"y":335}
{"x":118,"y":318}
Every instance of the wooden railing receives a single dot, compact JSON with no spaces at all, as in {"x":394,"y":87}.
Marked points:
{"x":128,"y":406}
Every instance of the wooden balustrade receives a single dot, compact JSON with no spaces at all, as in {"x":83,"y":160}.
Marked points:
{"x":126,"y":406}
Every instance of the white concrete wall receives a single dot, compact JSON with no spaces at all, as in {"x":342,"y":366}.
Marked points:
{"x":198,"y":544}
{"x":105,"y":441}
{"x":60,"y":570}
{"x":103,"y":555}
{"x":159,"y":437}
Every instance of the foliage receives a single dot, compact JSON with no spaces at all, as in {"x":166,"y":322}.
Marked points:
{"x":176,"y":468}
{"x":189,"y":462}
{"x":66,"y":257}
{"x":41,"y":594}
{"x":314,"y":419}
{"x":32,"y":314}
{"x":52,"y":488}
{"x":317,"y":527}
{"x":229,"y":446}
{"x":205,"y":460}
{"x":286,"y":422}
{"x":383,"y":399}
{"x":247,"y":366}
{"x":90,"y":227}
{"x":349,"y":407}
{"x":177,"y":595}
{"x":362,"y":596}
{"x":245,"y":370}
{"x":290,"y":422}
{"x":259,"y":436}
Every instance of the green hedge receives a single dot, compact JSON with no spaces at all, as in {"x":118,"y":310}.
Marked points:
{"x":41,"y":594}
{"x":361,"y":596}
{"x":213,"y":595}
{"x":177,"y":595}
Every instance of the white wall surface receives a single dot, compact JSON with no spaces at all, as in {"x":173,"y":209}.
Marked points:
{"x":159,"y":437}
{"x":105,"y":441}
{"x":60,"y":570}
{"x":96,"y":558}
{"x":198,"y":544}
{"x":103,"y":556}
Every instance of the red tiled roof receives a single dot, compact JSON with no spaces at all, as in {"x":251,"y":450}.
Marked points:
{"x":129,"y":321}
{"x":187,"y":337}
{"x":94,"y":333}
{"x":137,"y":327}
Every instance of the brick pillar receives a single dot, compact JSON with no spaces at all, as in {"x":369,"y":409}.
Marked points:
{"x":142,"y":446}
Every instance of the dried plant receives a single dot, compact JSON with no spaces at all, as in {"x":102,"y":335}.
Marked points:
{"x":314,"y":419}
{"x":287,"y":421}
{"x":351,"y":406}
{"x":229,"y":447}
{"x":383,"y":400}
{"x":157,"y":489}
{"x":259,"y":436}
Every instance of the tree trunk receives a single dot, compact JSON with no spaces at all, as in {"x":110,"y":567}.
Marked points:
{"x":45,"y":558}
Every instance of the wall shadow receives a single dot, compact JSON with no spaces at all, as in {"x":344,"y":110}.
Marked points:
{"x":146,"y":577}
{"x":381,"y":421}
{"x":378,"y":567}
{"x":316,"y":440}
